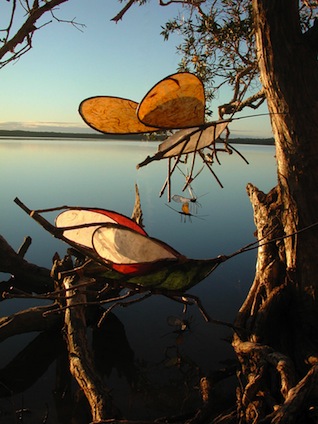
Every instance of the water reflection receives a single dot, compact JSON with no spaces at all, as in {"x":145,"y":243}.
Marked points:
{"x":46,"y":173}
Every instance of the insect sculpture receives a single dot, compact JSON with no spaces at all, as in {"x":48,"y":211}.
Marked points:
{"x":185,"y":211}
{"x":175,"y":103}
{"x":188,"y":203}
{"x":125,"y":256}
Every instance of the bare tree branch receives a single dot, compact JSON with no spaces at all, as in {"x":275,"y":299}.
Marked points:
{"x":13,"y":47}
{"x":121,"y":14}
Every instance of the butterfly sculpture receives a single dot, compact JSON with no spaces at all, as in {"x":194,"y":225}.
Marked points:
{"x":175,"y":103}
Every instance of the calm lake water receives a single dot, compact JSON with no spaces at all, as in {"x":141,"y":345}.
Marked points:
{"x":54,"y":172}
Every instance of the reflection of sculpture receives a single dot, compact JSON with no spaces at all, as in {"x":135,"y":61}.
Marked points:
{"x":175,"y":103}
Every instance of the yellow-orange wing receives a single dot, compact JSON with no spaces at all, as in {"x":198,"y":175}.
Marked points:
{"x":112,"y":115}
{"x":178,"y":101}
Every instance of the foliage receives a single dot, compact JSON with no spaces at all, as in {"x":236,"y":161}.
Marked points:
{"x":218,"y":43}
{"x":219,"y":46}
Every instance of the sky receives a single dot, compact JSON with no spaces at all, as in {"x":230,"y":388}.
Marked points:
{"x":43,"y":89}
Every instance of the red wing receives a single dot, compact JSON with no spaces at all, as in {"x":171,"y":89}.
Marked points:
{"x":83,"y":223}
{"x":129,"y":251}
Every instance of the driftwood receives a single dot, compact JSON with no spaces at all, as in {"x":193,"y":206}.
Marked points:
{"x":33,"y":319}
{"x":80,"y":357}
{"x":27,"y":276}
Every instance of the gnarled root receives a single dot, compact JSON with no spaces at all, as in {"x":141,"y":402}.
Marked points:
{"x":276,"y":384}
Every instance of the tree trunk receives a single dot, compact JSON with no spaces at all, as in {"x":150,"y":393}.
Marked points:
{"x":279,"y":354}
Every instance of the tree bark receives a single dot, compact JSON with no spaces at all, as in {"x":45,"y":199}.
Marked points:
{"x":289,"y":74}
{"x":281,"y":311}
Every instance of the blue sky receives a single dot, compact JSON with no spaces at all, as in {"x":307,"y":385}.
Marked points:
{"x":43,"y":89}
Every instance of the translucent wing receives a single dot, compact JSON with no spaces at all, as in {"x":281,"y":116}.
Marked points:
{"x":177,"y":275}
{"x":129,"y":251}
{"x":83,"y":223}
{"x":178,"y":101}
{"x":191,"y":139}
{"x":180,"y":199}
{"x":112,"y":115}
{"x":187,"y":141}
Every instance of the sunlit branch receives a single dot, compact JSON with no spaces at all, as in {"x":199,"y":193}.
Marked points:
{"x":252,"y":102}
{"x":310,"y":4}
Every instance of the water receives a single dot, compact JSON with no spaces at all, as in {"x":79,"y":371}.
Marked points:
{"x":53,"y":172}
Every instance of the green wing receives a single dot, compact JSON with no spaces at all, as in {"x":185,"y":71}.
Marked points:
{"x":174,"y":276}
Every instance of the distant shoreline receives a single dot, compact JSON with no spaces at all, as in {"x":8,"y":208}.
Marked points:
{"x":101,"y":137}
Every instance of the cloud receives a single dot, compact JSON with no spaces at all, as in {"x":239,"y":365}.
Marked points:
{"x":67,"y":127}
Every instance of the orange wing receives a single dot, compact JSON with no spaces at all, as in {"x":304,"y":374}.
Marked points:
{"x":178,"y":101}
{"x":113,"y":115}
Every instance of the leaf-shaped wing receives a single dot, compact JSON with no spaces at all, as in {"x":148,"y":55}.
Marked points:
{"x":83,"y":222}
{"x":178,"y":101}
{"x":191,"y":139}
{"x":171,"y":276}
{"x":187,"y":140}
{"x":129,"y":251}
{"x":112,"y":115}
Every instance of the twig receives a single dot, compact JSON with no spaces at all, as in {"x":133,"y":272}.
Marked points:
{"x":120,"y":15}
{"x":25,"y":246}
